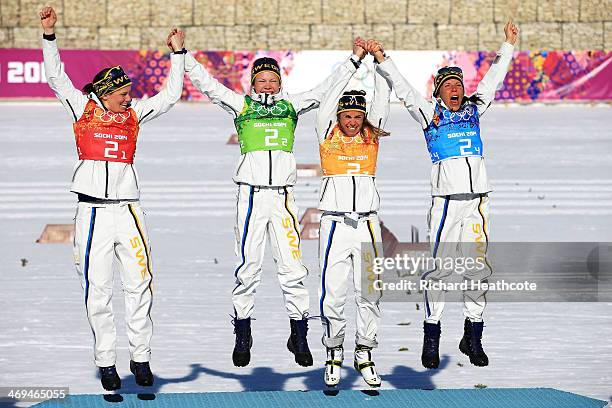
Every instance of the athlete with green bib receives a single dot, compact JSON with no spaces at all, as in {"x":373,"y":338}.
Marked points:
{"x":266,"y":173}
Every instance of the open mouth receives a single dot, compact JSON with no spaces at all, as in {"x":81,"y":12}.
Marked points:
{"x":454,"y":98}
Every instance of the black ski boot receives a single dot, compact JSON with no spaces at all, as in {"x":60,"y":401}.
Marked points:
{"x":142,"y":373}
{"x":430,"y":358}
{"x":244,"y":341}
{"x":471,"y":343}
{"x":298,"y":343}
{"x":109,"y":378}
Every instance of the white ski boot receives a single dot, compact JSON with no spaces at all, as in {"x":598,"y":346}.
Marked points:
{"x":365,"y":366}
{"x":333,"y":366}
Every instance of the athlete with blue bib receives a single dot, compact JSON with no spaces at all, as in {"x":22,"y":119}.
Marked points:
{"x":459,"y":214}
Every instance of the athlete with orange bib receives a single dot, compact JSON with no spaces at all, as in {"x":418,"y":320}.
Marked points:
{"x":350,"y":236}
{"x":109,"y":221}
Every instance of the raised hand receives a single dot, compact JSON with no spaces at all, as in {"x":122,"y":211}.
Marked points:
{"x":359,"y":48}
{"x":48,"y":19}
{"x":175,"y":40}
{"x":375,"y":48}
{"x":511,"y":32}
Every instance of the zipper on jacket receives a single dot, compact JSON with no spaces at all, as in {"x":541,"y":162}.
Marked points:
{"x":328,"y":126}
{"x":470,"y":172}
{"x":143,"y":118}
{"x":76,"y":170}
{"x":354,"y":194}
{"x":134,"y":173}
{"x":72,"y":110}
{"x":324,"y":189}
{"x":424,"y":118}
{"x":240,"y":165}
{"x":270,"y":160}
{"x":106,"y":187}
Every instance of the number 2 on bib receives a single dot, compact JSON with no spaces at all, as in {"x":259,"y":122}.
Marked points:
{"x":110,"y":152}
{"x":272,"y":137}
{"x":466,"y":145}
{"x":353,"y":168}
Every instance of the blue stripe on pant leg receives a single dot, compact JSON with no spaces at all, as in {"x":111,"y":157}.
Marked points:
{"x":245,"y":230}
{"x":329,"y":242}
{"x":92,"y":222}
{"x":435,"y":252}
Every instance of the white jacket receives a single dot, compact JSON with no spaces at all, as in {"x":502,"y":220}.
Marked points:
{"x":458,"y":175}
{"x":351,"y":193}
{"x":102,"y":179}
{"x":264,"y":168}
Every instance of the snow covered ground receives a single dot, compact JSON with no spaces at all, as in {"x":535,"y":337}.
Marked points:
{"x":551,"y":168}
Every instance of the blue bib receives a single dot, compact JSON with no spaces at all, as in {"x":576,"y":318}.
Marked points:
{"x":454,"y":134}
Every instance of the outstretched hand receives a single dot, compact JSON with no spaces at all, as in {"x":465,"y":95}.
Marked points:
{"x":511,"y":32}
{"x":48,"y":19}
{"x":359,"y":48}
{"x":175,"y":40}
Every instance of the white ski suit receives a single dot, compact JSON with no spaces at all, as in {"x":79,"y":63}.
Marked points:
{"x":265,"y":204}
{"x":459,"y":187}
{"x":350,"y":236}
{"x":109,"y":221}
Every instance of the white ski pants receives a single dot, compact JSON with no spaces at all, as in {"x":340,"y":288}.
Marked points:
{"x":102,"y":232}
{"x":343,"y":251}
{"x":458,"y":228}
{"x":268,"y":213}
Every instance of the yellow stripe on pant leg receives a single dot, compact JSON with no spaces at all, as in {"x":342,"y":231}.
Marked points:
{"x":373,"y":236}
{"x":293,"y":218}
{"x":484,"y":230}
{"x":144,"y":243}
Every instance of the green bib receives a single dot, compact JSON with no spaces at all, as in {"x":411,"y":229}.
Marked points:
{"x":263,"y":127}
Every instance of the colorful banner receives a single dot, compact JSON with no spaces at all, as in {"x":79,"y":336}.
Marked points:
{"x":542,"y":76}
{"x":533,"y":76}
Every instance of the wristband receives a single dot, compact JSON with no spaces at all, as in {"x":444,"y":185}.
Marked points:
{"x":49,"y":37}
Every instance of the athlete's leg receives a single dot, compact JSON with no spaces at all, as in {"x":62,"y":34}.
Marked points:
{"x":284,"y":233}
{"x":367,"y":245}
{"x":444,"y":234}
{"x":335,"y":264}
{"x":250,"y":229}
{"x":93,"y":249}
{"x":475,"y":241}
{"x":133,"y":251}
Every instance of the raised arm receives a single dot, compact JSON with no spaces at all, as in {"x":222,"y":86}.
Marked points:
{"x":420,"y":109}
{"x":328,"y":104}
{"x":379,"y":111}
{"x":218,"y":93}
{"x":494,"y":78}
{"x":306,"y":101}
{"x":73,"y":99}
{"x":148,"y":109}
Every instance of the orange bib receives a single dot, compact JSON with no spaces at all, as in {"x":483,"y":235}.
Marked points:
{"x":106,"y":136}
{"x":342,"y":155}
